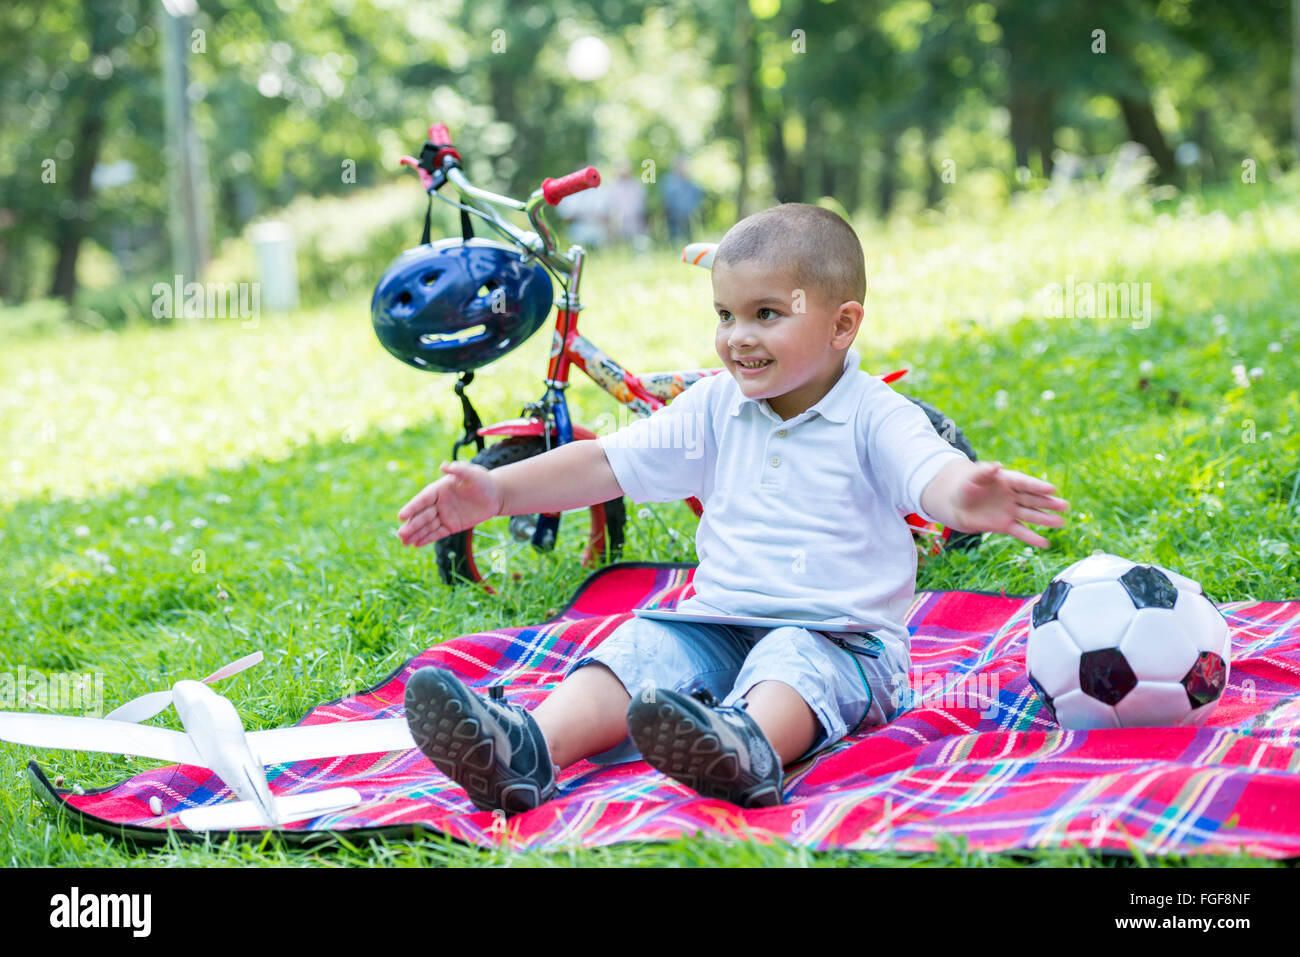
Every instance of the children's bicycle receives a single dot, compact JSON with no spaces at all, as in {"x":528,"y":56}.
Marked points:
{"x":457,"y":304}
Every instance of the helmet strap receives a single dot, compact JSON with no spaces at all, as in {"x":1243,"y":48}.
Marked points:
{"x":469,"y":417}
{"x":466,"y":227}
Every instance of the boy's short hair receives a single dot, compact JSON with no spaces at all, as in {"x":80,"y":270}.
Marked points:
{"x":818,"y":247}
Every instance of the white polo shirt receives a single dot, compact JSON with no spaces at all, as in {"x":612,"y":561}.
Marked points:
{"x":803,"y":518}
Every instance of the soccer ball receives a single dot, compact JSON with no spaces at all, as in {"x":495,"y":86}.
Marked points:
{"x":1116,"y":644}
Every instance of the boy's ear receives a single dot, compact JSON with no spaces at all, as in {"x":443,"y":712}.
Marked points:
{"x":847,"y":321}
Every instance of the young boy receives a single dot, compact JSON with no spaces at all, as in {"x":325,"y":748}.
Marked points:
{"x":806,"y":466}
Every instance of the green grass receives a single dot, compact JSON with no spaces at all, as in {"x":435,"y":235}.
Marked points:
{"x":171,"y":499}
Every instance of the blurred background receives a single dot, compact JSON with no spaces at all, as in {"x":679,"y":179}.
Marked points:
{"x":141,"y":139}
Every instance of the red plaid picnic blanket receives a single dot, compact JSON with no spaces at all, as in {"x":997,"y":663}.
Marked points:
{"x":975,"y":756}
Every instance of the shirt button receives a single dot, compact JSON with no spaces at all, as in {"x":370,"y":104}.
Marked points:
{"x":774,"y":461}
{"x":780,"y":433}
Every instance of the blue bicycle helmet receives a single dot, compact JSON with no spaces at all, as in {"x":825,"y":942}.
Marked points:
{"x":456,"y":304}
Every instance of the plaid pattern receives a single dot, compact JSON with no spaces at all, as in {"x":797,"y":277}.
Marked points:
{"x":975,"y":755}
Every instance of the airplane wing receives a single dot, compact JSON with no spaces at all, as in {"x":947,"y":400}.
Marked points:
{"x":288,"y":808}
{"x":306,"y":742}
{"x":276,"y":746}
{"x":96,"y":734}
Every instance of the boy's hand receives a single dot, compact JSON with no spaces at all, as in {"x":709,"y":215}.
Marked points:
{"x":466,"y":495}
{"x":989,"y":498}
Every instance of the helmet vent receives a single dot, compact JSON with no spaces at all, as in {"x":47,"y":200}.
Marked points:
{"x":452,"y":338}
{"x":430,"y":278}
{"x":404,"y":297}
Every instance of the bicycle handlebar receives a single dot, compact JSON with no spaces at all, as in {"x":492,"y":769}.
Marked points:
{"x":555,"y":190}
{"x":440,"y":163}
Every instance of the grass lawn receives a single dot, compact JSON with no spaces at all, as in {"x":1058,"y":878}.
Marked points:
{"x":171,"y":499}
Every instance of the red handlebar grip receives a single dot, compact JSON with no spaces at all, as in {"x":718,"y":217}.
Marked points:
{"x":554,"y":190}
{"x":439,"y":135}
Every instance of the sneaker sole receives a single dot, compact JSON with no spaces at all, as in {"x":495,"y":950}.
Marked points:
{"x":673,"y":737}
{"x":447,"y":722}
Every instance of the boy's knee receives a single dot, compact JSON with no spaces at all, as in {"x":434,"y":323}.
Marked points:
{"x":596,"y":676}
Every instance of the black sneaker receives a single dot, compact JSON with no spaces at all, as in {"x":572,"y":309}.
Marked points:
{"x":719,"y":752}
{"x":495,"y":751}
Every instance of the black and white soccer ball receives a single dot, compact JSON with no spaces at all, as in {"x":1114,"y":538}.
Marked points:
{"x":1113,"y":644}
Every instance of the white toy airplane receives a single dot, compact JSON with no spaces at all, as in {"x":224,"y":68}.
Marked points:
{"x":215,"y":738}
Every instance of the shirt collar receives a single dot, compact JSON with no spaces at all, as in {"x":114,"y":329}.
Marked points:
{"x":835,"y":406}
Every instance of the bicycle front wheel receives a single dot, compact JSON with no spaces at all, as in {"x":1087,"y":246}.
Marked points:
{"x":501,"y":549}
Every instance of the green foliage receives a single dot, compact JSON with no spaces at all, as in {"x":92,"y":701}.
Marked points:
{"x":118,"y":306}
{"x":882,"y":104}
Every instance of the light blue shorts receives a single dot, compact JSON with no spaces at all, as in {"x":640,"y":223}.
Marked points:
{"x":846,"y":689}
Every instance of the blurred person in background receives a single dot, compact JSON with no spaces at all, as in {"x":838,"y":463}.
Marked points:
{"x":681,"y":198}
{"x":627,"y":203}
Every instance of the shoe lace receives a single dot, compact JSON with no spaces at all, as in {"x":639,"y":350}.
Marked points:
{"x":705,"y":697}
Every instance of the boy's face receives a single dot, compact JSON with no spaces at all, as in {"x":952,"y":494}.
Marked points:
{"x":779,"y":342}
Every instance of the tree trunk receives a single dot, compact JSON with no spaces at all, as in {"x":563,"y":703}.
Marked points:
{"x":1020,"y":106}
{"x":1045,"y":130}
{"x":1140,"y":119}
{"x":1211,"y":160}
{"x":1033,"y":128}
{"x":785,"y":179}
{"x":814,"y":154}
{"x":850,"y":171}
{"x":1295,"y":76}
{"x":744,"y":99}
{"x":933,"y":186}
{"x":829,"y":183}
{"x":887,"y":187}
{"x":69,"y":232}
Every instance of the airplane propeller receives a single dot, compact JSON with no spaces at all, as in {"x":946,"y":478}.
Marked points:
{"x":155,"y":702}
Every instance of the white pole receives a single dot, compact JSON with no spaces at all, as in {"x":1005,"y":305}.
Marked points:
{"x":188,"y":220}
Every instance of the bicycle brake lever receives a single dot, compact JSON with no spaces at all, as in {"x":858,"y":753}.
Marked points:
{"x":426,"y":180}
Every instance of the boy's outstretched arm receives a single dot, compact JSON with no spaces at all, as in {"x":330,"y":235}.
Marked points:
{"x":985,"y":497}
{"x":570,"y":476}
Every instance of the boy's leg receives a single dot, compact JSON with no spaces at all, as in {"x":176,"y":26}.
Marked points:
{"x":796,"y":692}
{"x":639,"y":656}
{"x":841,"y":691}
{"x":784,"y":718}
{"x":503,"y":755}
{"x":585,"y":715}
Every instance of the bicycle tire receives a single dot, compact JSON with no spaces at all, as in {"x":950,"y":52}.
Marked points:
{"x":950,"y":433}
{"x":455,"y":553}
